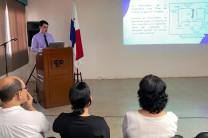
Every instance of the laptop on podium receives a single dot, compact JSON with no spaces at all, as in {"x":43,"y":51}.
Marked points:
{"x":56,"y":45}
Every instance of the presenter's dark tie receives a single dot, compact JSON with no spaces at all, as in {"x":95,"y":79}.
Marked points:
{"x":46,"y":40}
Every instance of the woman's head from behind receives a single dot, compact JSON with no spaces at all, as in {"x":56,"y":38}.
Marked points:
{"x":152,"y":96}
{"x":79,"y":96}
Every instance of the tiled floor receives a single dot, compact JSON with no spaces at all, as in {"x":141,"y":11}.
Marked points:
{"x":188,"y":99}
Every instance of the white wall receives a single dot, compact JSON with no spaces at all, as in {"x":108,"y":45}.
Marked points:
{"x":104,"y":54}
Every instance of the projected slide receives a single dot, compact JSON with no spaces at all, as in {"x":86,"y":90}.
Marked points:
{"x":165,"y":22}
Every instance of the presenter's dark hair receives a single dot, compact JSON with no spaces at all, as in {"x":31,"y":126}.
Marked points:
{"x":9,"y":90}
{"x":151,"y":94}
{"x":79,"y":96}
{"x":43,"y":22}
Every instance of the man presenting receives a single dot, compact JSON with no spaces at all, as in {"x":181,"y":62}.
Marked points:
{"x":16,"y":122}
{"x":41,"y":39}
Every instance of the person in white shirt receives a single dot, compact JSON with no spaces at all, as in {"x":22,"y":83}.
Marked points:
{"x":15,"y":121}
{"x":151,"y":121}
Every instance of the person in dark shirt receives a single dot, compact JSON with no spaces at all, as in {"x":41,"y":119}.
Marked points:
{"x":79,"y":123}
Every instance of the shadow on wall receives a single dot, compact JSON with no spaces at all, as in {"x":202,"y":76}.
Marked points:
{"x":14,"y":62}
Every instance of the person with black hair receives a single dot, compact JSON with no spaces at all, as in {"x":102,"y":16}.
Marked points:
{"x":41,"y":39}
{"x":79,"y":123}
{"x":151,"y":121}
{"x":202,"y":135}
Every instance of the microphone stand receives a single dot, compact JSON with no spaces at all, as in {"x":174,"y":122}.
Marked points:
{"x":4,"y":44}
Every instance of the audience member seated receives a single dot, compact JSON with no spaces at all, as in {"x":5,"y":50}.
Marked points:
{"x":79,"y":123}
{"x":15,"y":121}
{"x":202,"y":135}
{"x":151,"y":121}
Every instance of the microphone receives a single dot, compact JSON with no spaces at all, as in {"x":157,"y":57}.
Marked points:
{"x":14,"y":39}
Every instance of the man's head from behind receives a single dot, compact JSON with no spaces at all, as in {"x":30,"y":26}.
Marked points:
{"x":12,"y":88}
{"x":43,"y":26}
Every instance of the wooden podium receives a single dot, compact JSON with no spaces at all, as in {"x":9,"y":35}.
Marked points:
{"x":54,"y":76}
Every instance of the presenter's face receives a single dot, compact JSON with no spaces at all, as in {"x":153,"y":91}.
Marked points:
{"x":44,"y":28}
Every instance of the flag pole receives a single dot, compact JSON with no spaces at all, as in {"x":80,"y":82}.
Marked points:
{"x":77,"y":75}
{"x":75,"y":37}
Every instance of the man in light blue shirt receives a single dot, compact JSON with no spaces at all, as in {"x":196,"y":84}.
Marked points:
{"x":41,"y":39}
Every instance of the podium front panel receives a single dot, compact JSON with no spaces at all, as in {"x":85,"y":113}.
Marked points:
{"x":57,"y":77}
{"x":59,"y":91}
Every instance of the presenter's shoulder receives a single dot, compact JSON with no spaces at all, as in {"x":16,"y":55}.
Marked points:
{"x":49,"y":34}
{"x":36,"y":35}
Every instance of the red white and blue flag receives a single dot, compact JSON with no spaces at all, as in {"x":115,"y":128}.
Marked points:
{"x":75,"y":37}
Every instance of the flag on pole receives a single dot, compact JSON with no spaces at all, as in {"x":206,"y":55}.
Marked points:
{"x":75,"y":37}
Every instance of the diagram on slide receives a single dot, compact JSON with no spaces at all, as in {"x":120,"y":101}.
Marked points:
{"x":188,"y":18}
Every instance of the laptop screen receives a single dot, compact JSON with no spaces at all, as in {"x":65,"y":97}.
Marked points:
{"x":56,"y":45}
